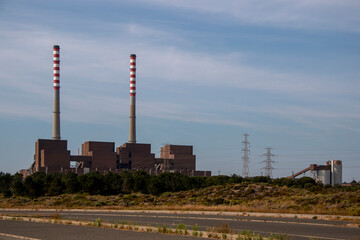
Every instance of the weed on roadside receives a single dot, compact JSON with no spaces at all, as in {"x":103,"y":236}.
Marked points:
{"x":279,"y":237}
{"x":97,"y":222}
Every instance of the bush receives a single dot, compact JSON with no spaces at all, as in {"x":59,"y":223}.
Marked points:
{"x":5,"y":182}
{"x":305,"y":180}
{"x":17,"y":185}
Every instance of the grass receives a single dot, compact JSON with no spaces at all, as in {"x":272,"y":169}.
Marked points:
{"x":279,"y":237}
{"x":97,"y":222}
{"x":116,"y":224}
{"x":56,"y":216}
{"x":243,"y":197}
{"x":195,"y":232}
{"x":246,"y":234}
{"x":180,"y":229}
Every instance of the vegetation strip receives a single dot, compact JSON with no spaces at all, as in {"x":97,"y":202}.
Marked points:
{"x":142,"y":190}
{"x":177,"y":192}
{"x":243,"y":220}
{"x":209,"y":213}
{"x":218,"y":232}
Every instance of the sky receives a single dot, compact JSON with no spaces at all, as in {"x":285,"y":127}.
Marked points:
{"x":285,"y":72}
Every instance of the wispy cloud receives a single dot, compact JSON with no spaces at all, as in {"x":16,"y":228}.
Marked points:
{"x":311,"y":14}
{"x":215,"y":70}
{"x":92,"y":69}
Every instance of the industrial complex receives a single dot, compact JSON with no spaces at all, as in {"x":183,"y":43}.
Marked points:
{"x":330,"y":173}
{"x":53,"y":156}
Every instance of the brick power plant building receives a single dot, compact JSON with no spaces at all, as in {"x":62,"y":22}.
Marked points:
{"x":53,"y":156}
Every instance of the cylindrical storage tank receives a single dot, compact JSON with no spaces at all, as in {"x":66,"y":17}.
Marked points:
{"x":323,"y":176}
{"x":336,"y":167}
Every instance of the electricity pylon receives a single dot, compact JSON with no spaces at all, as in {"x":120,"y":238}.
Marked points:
{"x":246,"y":158}
{"x":268,"y":162}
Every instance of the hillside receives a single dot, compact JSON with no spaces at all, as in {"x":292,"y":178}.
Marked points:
{"x":256,"y":197}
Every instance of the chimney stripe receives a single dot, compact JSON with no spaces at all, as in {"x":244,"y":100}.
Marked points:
{"x":132,"y":74}
{"x":56,"y":70}
{"x":132,"y":129}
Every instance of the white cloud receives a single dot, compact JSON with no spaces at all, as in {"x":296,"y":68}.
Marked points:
{"x":312,"y":14}
{"x":91,"y":68}
{"x":221,"y":71}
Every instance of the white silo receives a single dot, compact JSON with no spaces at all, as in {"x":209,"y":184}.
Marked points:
{"x":323,"y":176}
{"x":336,"y":172}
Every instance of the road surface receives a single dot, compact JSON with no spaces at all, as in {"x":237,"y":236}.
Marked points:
{"x":295,"y":228}
{"x":11,"y":230}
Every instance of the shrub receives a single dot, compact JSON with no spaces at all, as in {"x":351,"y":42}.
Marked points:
{"x":223,"y":228}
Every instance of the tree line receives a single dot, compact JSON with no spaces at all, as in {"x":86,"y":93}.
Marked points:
{"x":41,"y":184}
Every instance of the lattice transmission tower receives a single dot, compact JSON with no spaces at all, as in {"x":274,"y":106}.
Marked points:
{"x":268,"y":162}
{"x":245,"y":157}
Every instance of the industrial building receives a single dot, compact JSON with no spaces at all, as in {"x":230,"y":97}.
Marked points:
{"x":330,"y":173}
{"x":53,"y":156}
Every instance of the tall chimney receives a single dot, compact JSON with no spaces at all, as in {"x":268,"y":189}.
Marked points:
{"x":56,"y":121}
{"x":132,"y":129}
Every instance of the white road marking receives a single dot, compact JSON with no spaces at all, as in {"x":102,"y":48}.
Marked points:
{"x":18,"y":236}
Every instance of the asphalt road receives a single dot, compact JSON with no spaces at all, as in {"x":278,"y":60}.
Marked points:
{"x":295,"y":228}
{"x":10,"y":230}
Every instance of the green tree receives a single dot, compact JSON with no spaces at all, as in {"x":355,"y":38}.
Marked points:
{"x":261,"y":179}
{"x":156,"y":186}
{"x":94,"y":183}
{"x":117,"y":184}
{"x":284,"y":182}
{"x":141,"y":181}
{"x":173,"y":182}
{"x":17,"y":185}
{"x":235,"y":179}
{"x":5,"y":184}
{"x":304,"y":180}
{"x":55,"y":185}
{"x":128,"y":182}
{"x":112,"y":184}
{"x":72,"y":184}
{"x":216,"y":180}
{"x":34,"y":185}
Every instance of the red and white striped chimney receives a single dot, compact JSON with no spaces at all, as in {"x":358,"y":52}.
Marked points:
{"x":56,"y":113}
{"x":132,"y":129}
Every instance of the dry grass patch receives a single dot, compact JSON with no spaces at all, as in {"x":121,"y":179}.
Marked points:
{"x":243,"y":197}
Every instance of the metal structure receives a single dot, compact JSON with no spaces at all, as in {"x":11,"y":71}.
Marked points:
{"x":268,"y":162}
{"x":330,"y":173}
{"x":56,"y":113}
{"x":132,"y":128}
{"x":246,"y":158}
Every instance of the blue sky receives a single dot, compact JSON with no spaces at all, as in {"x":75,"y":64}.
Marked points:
{"x":286,"y":72}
